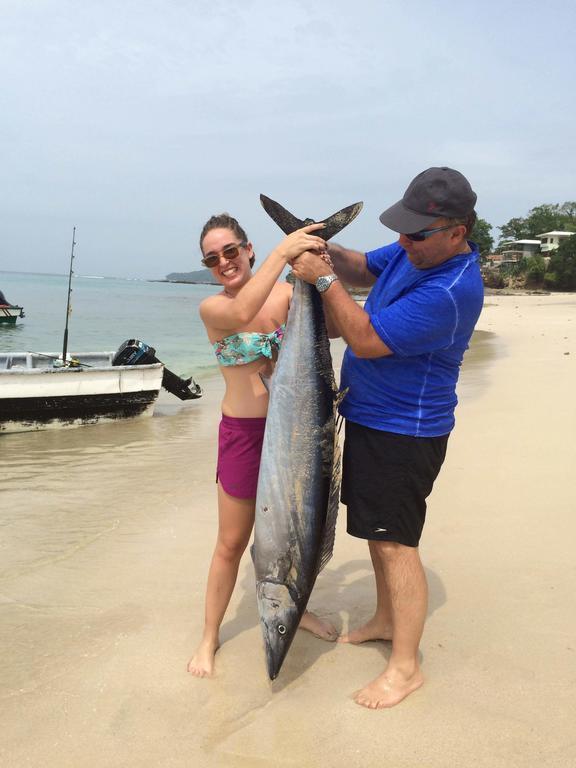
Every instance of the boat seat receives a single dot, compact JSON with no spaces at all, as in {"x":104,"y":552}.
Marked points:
{"x":7,"y":362}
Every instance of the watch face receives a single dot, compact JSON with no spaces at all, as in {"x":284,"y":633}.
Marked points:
{"x":324,"y":282}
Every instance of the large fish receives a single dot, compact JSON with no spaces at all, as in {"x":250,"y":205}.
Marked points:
{"x":299,"y":481}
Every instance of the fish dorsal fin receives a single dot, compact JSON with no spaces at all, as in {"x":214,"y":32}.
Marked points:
{"x":327,"y":545}
{"x":339,"y":395}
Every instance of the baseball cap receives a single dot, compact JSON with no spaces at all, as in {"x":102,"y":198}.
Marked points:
{"x":434,"y":193}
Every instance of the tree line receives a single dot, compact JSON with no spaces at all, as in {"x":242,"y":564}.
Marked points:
{"x":560,"y":272}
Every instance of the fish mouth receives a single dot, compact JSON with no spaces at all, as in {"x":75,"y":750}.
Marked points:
{"x":279,"y":619}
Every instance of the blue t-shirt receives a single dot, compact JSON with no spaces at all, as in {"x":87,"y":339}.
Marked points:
{"x":426,"y":317}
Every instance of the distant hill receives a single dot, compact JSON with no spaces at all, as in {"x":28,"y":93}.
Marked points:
{"x":199,"y":276}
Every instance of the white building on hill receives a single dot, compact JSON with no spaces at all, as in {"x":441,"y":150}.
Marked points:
{"x":551,"y":240}
{"x":518,"y":249}
{"x":514,"y":250}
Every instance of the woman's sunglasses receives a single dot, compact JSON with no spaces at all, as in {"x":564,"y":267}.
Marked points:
{"x":418,"y":237}
{"x":230,"y":252}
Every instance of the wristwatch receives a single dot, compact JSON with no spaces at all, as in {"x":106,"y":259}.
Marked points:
{"x":324,"y":282}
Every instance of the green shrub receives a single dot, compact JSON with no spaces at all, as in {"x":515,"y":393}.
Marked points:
{"x":493,"y":279}
{"x":563,"y":264}
{"x":535,"y":271}
{"x":551,"y":281}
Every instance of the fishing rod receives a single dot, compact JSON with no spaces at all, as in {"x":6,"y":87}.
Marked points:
{"x":68,"y":308}
{"x":73,"y":361}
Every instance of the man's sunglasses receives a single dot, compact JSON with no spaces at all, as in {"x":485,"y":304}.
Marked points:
{"x":418,"y":237}
{"x":230,"y":252}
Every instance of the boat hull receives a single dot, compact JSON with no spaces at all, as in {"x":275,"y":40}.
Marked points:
{"x":8,"y":315}
{"x":35,"y":398}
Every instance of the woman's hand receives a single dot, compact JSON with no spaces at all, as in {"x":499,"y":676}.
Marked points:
{"x":300,"y":241}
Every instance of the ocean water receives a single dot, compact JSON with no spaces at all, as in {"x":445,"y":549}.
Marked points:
{"x":69,"y":498}
{"x":106,"y":312}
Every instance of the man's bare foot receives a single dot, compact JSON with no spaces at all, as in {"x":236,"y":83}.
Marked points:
{"x":388,"y":690}
{"x":375,"y":629}
{"x":319,"y":627}
{"x":202,"y":663}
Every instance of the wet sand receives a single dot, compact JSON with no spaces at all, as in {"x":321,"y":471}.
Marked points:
{"x":106,"y":535}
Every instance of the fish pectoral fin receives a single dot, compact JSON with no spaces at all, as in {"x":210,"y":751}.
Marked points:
{"x":267,"y":381}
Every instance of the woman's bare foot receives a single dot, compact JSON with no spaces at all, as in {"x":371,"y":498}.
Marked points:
{"x":388,"y":690}
{"x":202,"y":663}
{"x":319,"y":627}
{"x":375,"y":629}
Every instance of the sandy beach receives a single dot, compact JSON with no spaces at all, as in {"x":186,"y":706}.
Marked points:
{"x":106,"y":542}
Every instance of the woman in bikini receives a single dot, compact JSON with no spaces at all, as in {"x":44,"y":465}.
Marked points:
{"x":245,"y":324}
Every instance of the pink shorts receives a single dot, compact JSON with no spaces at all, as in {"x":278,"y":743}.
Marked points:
{"x":239,"y":449}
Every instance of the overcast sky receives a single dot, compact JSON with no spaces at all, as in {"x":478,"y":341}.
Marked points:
{"x":135,"y":120}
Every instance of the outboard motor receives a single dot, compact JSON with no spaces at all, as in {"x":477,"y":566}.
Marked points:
{"x":135,"y":352}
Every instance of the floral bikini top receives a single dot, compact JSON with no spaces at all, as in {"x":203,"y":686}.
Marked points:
{"x":243,"y":348}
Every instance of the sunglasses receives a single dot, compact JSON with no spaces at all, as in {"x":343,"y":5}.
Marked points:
{"x":230,"y":252}
{"x":418,"y":237}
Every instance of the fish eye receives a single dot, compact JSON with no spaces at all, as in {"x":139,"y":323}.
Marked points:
{"x":281,"y":629}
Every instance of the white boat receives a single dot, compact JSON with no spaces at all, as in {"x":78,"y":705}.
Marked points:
{"x":9,"y":313}
{"x":44,"y":391}
{"x":38,"y":391}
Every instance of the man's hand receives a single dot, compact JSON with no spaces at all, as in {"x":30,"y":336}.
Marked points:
{"x":309,"y":266}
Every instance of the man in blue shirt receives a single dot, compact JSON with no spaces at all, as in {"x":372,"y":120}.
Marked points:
{"x":401,"y":366}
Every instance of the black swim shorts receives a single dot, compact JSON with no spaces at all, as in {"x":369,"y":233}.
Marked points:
{"x":386,"y":478}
